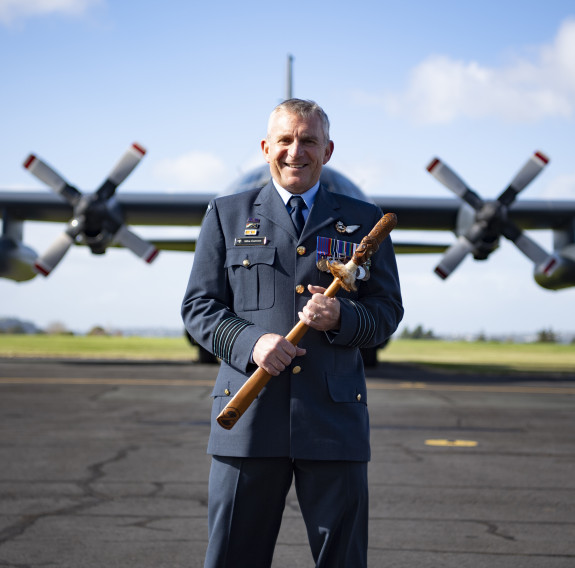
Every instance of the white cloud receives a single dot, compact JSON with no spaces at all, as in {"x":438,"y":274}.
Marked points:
{"x":442,"y":89}
{"x":193,"y":171}
{"x":13,"y":10}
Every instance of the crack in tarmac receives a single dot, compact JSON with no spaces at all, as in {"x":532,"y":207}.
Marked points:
{"x":96,"y":472}
{"x":493,"y":529}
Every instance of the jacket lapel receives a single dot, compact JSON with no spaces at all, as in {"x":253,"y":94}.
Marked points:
{"x":269,"y":204}
{"x":324,"y":212}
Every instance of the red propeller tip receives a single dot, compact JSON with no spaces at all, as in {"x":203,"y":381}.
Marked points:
{"x":433,"y":164}
{"x":29,"y":161}
{"x":443,"y":275}
{"x":152,"y":256}
{"x":548,"y":270}
{"x":40,"y":269}
{"x":139,"y":148}
{"x":542,"y":157}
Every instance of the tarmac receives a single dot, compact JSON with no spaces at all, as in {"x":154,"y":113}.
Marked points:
{"x":103,"y":464}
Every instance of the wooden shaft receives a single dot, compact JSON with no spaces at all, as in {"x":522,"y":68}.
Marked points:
{"x":259,"y":379}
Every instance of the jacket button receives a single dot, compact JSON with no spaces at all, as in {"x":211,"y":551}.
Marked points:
{"x":358,"y":397}
{"x":296,"y":370}
{"x":300,"y":250}
{"x":246,"y":262}
{"x":299,"y":289}
{"x":227,"y":392}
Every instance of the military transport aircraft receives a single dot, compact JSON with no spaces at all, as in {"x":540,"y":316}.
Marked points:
{"x":103,"y":218}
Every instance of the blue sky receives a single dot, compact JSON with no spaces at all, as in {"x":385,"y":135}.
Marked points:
{"x":481,"y":85}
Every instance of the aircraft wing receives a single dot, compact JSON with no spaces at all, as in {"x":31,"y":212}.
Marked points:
{"x":185,"y":209}
{"x":441,"y":214}
{"x":141,"y":208}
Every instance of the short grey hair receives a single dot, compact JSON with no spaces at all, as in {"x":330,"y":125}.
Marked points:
{"x":303,"y":109}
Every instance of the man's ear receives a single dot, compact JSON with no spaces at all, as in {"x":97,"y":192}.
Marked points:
{"x":328,"y":152}
{"x":266,"y":150}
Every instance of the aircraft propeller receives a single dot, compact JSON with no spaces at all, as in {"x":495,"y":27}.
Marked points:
{"x":97,"y":220}
{"x":490,"y":218}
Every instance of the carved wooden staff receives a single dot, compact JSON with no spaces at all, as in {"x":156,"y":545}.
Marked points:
{"x":344,"y":277}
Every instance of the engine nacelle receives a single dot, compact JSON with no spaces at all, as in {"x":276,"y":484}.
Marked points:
{"x":559,"y":271}
{"x":16,"y":260}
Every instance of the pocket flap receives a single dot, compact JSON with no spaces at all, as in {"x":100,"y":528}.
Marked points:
{"x":248,"y":256}
{"x":347,"y":388}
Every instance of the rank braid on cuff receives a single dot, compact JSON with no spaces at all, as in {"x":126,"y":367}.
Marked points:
{"x":366,"y":325}
{"x":225,"y":336}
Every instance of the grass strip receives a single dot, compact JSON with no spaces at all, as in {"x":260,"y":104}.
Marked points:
{"x":455,"y":355}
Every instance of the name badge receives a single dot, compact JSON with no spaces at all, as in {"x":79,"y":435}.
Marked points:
{"x":250,"y":241}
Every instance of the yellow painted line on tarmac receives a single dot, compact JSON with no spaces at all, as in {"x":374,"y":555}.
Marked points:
{"x":452,"y":443}
{"x":374,"y":385}
{"x":471,"y":388}
{"x":106,"y":381}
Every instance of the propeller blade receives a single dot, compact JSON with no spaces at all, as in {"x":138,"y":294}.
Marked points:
{"x":50,"y":259}
{"x":525,"y":244}
{"x":453,"y":257}
{"x":137,"y":245}
{"x":122,"y":170}
{"x":445,"y":175}
{"x":52,"y":179}
{"x":526,"y":175}
{"x":532,"y":250}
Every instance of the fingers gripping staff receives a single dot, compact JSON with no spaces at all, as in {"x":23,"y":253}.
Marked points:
{"x":344,"y":276}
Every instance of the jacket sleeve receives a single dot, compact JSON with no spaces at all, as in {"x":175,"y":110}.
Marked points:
{"x":206,"y":310}
{"x":371,"y":318}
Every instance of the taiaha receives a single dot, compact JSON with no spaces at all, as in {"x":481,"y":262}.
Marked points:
{"x":344,"y":276}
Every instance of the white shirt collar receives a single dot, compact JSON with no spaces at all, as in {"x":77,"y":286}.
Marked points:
{"x":308,"y":196}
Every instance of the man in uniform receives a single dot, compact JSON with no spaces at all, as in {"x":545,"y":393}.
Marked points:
{"x":259,"y":267}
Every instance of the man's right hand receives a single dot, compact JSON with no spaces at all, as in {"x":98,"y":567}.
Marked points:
{"x":273,"y":353}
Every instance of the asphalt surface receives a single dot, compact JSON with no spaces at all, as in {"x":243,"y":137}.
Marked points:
{"x":103,"y":464}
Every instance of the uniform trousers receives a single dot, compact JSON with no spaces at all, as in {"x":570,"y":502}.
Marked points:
{"x":247,"y":499}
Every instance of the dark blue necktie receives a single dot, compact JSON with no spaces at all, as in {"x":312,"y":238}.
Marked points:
{"x":297,"y":205}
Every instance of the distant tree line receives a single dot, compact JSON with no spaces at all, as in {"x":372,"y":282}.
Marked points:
{"x":542,"y":336}
{"x":15,"y":326}
{"x":417,"y":333}
{"x":548,"y":336}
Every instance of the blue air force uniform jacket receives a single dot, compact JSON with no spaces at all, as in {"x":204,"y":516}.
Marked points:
{"x":316,"y":408}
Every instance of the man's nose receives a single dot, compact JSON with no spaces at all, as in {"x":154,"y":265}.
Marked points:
{"x":295,"y":149}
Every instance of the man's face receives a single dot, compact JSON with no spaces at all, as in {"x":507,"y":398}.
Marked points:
{"x":296,"y":150}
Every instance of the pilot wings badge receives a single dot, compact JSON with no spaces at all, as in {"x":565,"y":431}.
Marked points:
{"x":348,"y":230}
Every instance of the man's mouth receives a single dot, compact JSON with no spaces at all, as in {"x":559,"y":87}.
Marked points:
{"x":296,"y":166}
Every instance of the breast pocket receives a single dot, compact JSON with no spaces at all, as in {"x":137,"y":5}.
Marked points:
{"x":252,"y":277}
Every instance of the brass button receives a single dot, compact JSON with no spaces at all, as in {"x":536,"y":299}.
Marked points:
{"x":300,"y":250}
{"x":227,"y":392}
{"x":300,"y":289}
{"x":296,"y":370}
{"x":358,"y":397}
{"x":246,"y":262}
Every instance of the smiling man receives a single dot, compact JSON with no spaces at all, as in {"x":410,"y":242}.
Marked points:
{"x":259,"y":267}
{"x":297,"y":145}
